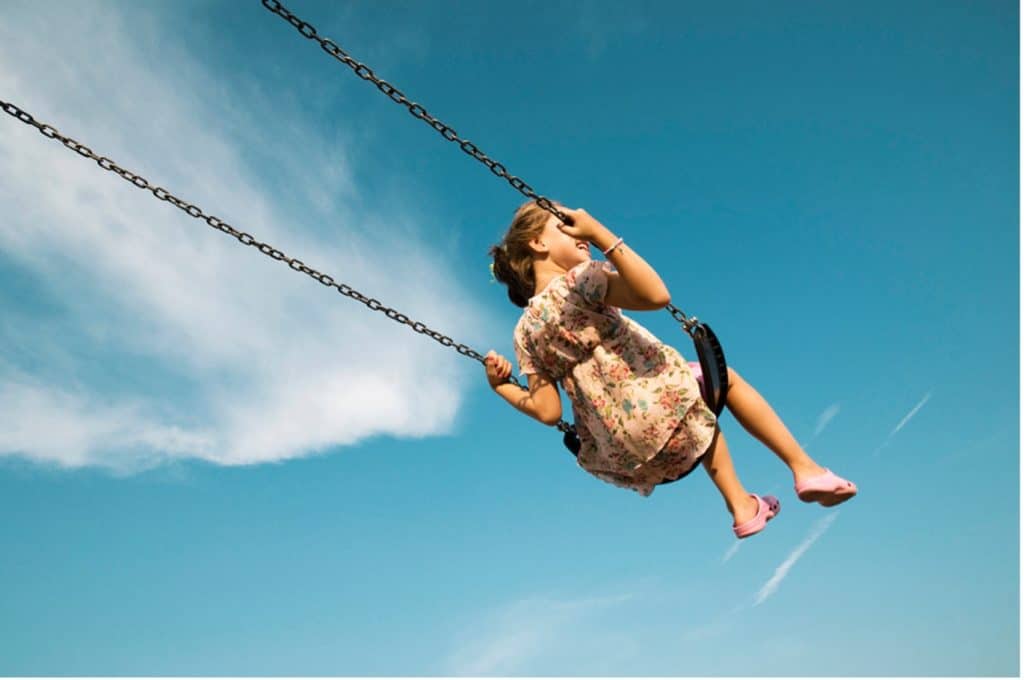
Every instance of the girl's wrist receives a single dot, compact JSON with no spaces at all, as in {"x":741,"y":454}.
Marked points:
{"x":618,"y":242}
{"x":604,"y":239}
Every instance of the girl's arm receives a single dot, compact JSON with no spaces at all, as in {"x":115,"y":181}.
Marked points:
{"x":643,"y":289}
{"x":639,"y":286}
{"x":542,"y":402}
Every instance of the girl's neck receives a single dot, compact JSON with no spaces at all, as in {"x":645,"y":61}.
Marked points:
{"x":545,"y":275}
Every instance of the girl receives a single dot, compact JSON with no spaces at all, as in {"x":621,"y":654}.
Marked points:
{"x":636,"y":402}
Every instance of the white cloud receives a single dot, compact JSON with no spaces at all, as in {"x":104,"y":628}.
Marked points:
{"x":772,"y":585}
{"x":903,"y":422}
{"x":705,"y":631}
{"x":824,"y":419}
{"x":720,"y":625}
{"x":731,"y":551}
{"x":602,"y":25}
{"x":55,"y":426}
{"x":913,"y":411}
{"x":519,"y":633}
{"x":255,"y":362}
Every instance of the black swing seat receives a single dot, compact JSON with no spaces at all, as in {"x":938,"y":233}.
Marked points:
{"x":712,"y":364}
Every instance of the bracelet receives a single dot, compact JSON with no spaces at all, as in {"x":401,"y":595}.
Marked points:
{"x":616,"y":245}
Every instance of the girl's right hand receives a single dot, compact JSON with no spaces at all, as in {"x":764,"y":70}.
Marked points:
{"x":583,"y":226}
{"x":498,"y":368}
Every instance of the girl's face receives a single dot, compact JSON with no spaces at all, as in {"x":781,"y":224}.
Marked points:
{"x":563,"y":250}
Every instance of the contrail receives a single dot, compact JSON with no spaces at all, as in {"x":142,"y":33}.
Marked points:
{"x":903,"y":422}
{"x":780,"y":572}
{"x":911,"y":414}
{"x":731,"y":551}
{"x":823,"y":420}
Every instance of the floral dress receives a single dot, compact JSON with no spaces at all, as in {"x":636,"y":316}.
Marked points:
{"x":636,"y":402}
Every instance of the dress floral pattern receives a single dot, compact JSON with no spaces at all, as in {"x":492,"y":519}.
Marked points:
{"x":636,"y":402}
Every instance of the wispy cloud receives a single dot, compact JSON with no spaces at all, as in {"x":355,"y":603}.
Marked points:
{"x":1005,"y":442}
{"x":910,"y":415}
{"x":903,"y":422}
{"x":601,"y":25}
{"x":772,"y":585}
{"x":823,"y":420}
{"x":733,"y":549}
{"x":706,"y":631}
{"x":521,"y":632}
{"x":64,"y":428}
{"x":714,"y":628}
{"x":826,"y":417}
{"x":176,"y":341}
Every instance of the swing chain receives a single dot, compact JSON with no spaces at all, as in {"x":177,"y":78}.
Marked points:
{"x":366,"y":73}
{"x":247,"y":239}
{"x":308,"y":31}
{"x":688,"y":324}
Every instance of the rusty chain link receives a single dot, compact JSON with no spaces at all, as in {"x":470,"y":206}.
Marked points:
{"x":366,"y":73}
{"x":248,"y":239}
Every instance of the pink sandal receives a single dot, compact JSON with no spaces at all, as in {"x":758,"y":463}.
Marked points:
{"x":767,"y":507}
{"x":828,"y":489}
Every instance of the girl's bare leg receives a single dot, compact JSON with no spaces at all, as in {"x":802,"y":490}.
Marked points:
{"x":757,"y":417}
{"x":718,"y":464}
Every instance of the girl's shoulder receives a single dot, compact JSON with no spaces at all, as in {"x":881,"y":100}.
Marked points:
{"x":583,"y":273}
{"x":587,"y":268}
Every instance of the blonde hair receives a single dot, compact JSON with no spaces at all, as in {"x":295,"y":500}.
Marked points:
{"x":513,"y":259}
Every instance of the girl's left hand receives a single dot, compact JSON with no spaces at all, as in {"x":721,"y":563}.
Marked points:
{"x":498,"y":368}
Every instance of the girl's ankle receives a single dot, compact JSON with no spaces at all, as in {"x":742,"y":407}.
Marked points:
{"x":747,"y":509}
{"x":807,"y":469}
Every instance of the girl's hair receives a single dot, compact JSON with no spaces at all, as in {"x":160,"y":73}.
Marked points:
{"x":513,"y":259}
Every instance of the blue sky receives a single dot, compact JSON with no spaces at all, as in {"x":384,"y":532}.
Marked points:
{"x":211,"y":465}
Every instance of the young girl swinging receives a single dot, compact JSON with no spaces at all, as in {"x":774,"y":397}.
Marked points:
{"x":636,"y":402}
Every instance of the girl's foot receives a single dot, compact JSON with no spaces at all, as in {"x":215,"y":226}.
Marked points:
{"x":826,"y":488}
{"x":747,"y":511}
{"x":767,"y":507}
{"x":808,"y":470}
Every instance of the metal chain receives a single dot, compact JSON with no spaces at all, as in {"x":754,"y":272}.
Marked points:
{"x":247,"y":239}
{"x":366,"y":73}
